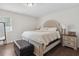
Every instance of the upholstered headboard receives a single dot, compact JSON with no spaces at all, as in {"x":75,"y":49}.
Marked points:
{"x":52,"y":23}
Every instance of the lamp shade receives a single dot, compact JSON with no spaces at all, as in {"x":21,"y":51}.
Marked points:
{"x":63,"y":26}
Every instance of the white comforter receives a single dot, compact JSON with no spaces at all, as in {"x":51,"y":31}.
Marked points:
{"x":42,"y":37}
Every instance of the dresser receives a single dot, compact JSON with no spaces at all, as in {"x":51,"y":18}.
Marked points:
{"x":69,"y":41}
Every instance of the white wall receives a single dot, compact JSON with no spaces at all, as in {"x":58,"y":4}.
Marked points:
{"x":20,"y":23}
{"x":68,"y":17}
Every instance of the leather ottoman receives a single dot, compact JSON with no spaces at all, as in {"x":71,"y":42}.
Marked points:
{"x":23,"y":48}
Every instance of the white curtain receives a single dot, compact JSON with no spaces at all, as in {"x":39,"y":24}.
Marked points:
{"x":2,"y":33}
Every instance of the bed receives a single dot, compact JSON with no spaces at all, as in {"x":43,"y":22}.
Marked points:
{"x":44,"y":39}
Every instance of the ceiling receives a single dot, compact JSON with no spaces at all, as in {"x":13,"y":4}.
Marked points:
{"x":38,"y":10}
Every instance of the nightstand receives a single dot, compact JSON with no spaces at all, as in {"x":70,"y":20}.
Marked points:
{"x":69,"y":41}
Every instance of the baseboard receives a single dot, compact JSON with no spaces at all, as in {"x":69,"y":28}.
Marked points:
{"x":9,"y":42}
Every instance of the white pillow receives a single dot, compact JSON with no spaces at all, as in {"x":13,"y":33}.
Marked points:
{"x":52,"y":29}
{"x":48,"y":29}
{"x":45,"y":28}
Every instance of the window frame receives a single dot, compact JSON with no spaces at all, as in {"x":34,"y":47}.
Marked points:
{"x":8,"y":28}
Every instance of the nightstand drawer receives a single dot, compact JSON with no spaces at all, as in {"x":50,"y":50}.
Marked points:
{"x":67,"y":38}
{"x":72,"y":38}
{"x":70,"y":44}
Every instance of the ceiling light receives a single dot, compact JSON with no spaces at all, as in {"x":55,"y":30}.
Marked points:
{"x":29,"y":4}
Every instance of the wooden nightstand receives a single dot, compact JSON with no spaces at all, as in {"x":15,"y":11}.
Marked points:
{"x":69,"y":41}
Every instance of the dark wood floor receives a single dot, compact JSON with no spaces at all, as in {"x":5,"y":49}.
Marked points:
{"x":63,"y":51}
{"x":8,"y":50}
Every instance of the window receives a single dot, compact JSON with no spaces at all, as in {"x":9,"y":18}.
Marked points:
{"x":7,"y":21}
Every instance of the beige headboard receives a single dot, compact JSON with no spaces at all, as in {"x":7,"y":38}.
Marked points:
{"x":52,"y":23}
